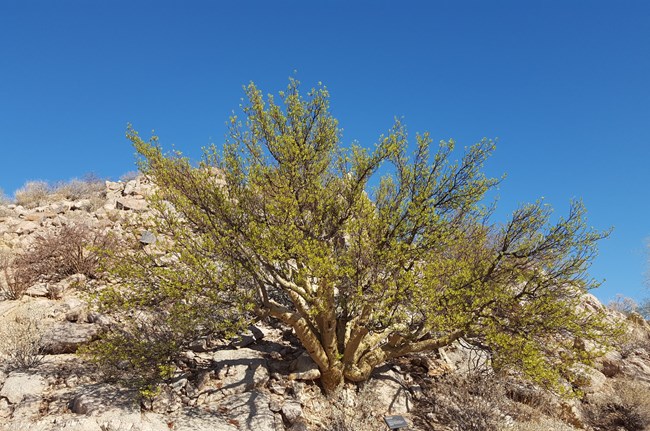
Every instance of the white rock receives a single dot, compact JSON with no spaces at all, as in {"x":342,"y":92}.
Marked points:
{"x":392,"y":394}
{"x":240,"y":370}
{"x":129,"y":188}
{"x":292,"y":411}
{"x":26,"y":227}
{"x":250,"y":411}
{"x":101,"y":398}
{"x":66,"y":337}
{"x":131,"y":204}
{"x":21,"y":386}
{"x":82,"y":205}
{"x":113,"y":185}
{"x":304,"y":368}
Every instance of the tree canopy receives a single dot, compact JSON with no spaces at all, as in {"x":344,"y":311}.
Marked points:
{"x":368,"y":254}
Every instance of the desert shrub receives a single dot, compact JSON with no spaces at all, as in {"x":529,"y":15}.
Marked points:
{"x":33,"y":194}
{"x":159,"y":311}
{"x":4,"y":200}
{"x":21,"y":343}
{"x":71,"y":249}
{"x":88,"y":187}
{"x":477,"y":401}
{"x":128,"y":176}
{"x":137,"y":355}
{"x":623,"y":305}
{"x":15,"y":277}
{"x":629,"y":410}
{"x":644,"y":308}
{"x":286,"y":219}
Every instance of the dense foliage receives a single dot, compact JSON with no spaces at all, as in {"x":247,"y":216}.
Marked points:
{"x":283,"y":221}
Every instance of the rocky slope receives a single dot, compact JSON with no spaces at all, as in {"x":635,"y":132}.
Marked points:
{"x":263,"y":380}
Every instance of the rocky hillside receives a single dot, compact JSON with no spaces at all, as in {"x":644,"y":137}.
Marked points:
{"x":262,"y":380}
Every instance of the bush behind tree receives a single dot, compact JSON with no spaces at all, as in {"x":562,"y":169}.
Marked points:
{"x":284,"y":221}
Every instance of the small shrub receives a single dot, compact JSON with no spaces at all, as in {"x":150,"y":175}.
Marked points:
{"x":623,"y":305}
{"x":33,"y":194}
{"x":72,"y":249}
{"x":135,"y":356}
{"x":644,"y":308}
{"x":473,"y":402}
{"x":21,"y":343}
{"x":15,"y":278}
{"x":4,"y":200}
{"x":131,"y":175}
{"x":86,"y":188}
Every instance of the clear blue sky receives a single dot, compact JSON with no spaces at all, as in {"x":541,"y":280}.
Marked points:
{"x":564,"y":85}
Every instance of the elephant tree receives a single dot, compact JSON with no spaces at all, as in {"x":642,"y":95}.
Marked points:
{"x":283,"y":221}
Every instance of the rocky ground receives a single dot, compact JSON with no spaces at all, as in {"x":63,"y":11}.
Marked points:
{"x":263,"y":380}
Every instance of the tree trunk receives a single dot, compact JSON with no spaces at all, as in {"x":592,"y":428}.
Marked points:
{"x":332,"y":379}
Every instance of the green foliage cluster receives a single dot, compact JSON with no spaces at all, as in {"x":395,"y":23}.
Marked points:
{"x":284,"y":221}
{"x":164,"y":298}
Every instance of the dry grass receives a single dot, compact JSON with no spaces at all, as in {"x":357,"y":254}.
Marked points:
{"x":543,"y":424}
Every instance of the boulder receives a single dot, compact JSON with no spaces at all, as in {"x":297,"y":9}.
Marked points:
{"x":59,"y":207}
{"x":129,"y":188}
{"x":249,"y":411}
{"x":292,"y":411}
{"x":66,"y":337}
{"x":112,"y":186}
{"x":26,"y":227}
{"x":237,"y":371}
{"x":131,"y":204}
{"x":588,"y":379}
{"x":100,"y":398}
{"x":304,"y":368}
{"x":82,"y":205}
{"x":37,"y":290}
{"x":20,"y":387}
{"x":248,"y":337}
{"x":391,"y":393}
{"x":147,"y":238}
{"x":611,"y":364}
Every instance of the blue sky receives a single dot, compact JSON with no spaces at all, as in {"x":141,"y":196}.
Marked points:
{"x":563,"y":85}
